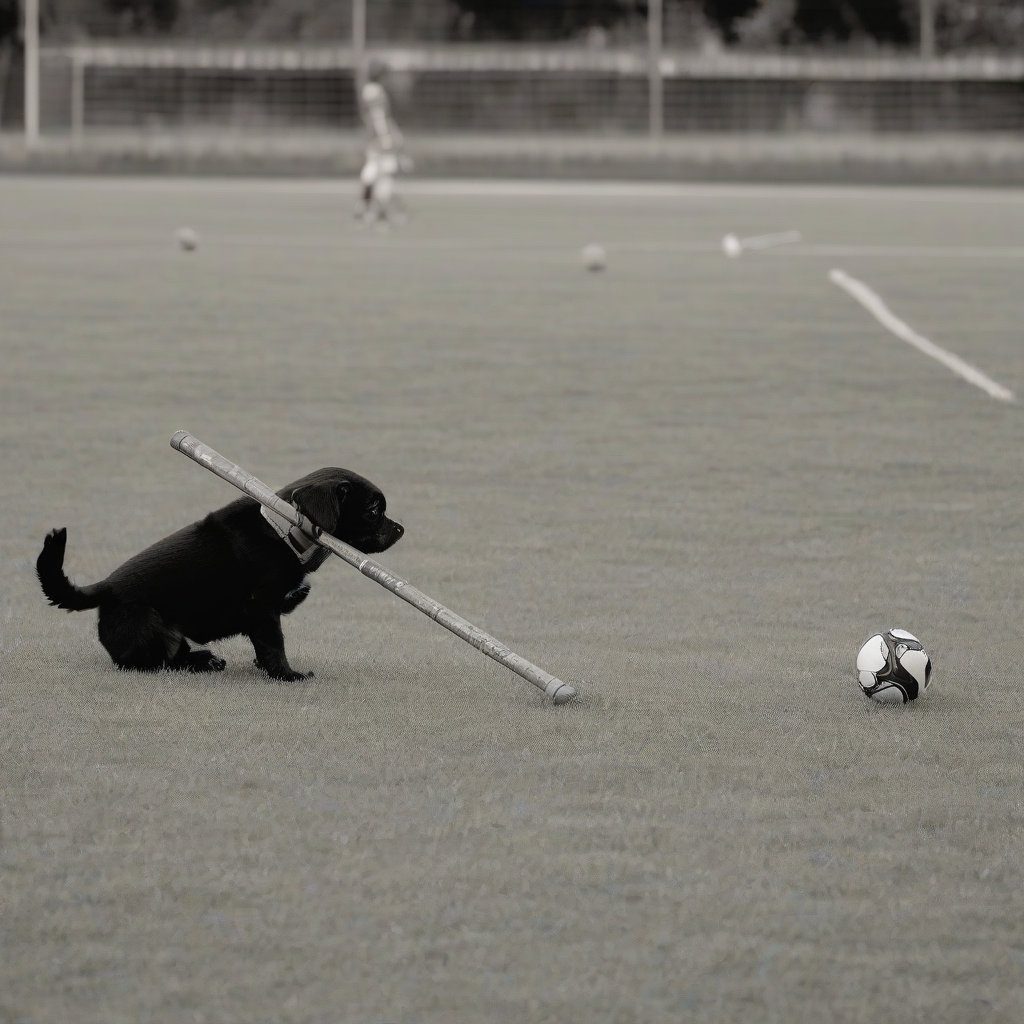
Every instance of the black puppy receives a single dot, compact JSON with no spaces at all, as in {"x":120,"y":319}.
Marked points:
{"x":231,"y":573}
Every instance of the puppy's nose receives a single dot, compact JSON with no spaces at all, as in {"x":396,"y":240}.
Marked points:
{"x":399,"y":529}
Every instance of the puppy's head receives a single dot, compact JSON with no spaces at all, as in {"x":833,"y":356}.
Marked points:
{"x":347,"y":506}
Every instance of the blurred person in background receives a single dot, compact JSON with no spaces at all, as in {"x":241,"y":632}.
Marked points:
{"x":384,"y":150}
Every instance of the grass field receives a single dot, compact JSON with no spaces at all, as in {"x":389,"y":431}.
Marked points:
{"x":691,"y":486}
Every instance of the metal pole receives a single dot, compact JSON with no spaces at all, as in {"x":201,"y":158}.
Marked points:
{"x":656,"y":95}
{"x":359,"y":39}
{"x":558,"y":691}
{"x":927,"y":28}
{"x":31,"y":37}
{"x":77,"y":96}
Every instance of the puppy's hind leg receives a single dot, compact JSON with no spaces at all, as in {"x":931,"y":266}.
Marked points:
{"x":137,"y":637}
{"x":200,"y":660}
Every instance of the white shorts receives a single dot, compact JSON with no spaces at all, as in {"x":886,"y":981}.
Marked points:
{"x":378,"y":166}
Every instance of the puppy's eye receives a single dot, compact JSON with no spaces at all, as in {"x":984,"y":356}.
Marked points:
{"x":373,"y":512}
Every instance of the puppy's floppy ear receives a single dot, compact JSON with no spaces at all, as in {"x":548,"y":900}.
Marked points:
{"x":321,"y":502}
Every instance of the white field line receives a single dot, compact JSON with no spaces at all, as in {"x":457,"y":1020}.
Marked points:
{"x":809,"y":249}
{"x":43,"y":239}
{"x":878,"y":309}
{"x":21,"y":239}
{"x":513,"y":188}
{"x":734,"y":247}
{"x":963,"y":252}
{"x":768,"y":241}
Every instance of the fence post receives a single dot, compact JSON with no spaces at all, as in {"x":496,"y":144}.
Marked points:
{"x":77,"y":96}
{"x":927,"y":28}
{"x":31,"y":38}
{"x":359,"y":39}
{"x":655,"y":85}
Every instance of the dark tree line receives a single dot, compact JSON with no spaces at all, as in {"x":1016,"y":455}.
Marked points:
{"x":8,"y":19}
{"x":160,"y":14}
{"x":811,"y":20}
{"x":545,"y":19}
{"x":765,"y":23}
{"x":886,"y":21}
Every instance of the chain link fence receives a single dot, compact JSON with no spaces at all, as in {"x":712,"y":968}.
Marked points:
{"x":668,"y":72}
{"x":523,"y":89}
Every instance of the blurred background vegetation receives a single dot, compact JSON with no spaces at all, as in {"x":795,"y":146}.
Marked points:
{"x":995,"y":25}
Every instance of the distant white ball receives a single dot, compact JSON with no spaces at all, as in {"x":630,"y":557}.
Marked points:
{"x":893,"y":667}
{"x":187,"y":239}
{"x":594,"y":257}
{"x":732,"y":246}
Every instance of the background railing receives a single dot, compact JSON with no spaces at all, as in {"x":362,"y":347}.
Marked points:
{"x":523,"y":89}
{"x":593,"y":84}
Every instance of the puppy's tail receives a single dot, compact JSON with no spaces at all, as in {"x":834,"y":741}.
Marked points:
{"x":56,"y":586}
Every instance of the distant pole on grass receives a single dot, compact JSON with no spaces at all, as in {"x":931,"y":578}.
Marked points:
{"x":359,"y":39}
{"x":655,"y":86}
{"x":77,"y":96}
{"x":31,"y":38}
{"x":927,"y":27}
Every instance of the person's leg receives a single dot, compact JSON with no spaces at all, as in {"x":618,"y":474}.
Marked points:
{"x":367,"y":178}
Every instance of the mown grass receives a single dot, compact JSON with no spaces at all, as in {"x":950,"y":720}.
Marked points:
{"x":691,"y":486}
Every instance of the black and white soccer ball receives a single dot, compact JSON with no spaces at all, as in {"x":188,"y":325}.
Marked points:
{"x":893,"y":667}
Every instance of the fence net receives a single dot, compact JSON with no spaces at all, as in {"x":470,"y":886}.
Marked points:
{"x":521,"y":89}
{"x":659,"y":65}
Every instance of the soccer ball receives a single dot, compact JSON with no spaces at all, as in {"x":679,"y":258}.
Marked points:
{"x":732,"y":246}
{"x":594,"y":258}
{"x":893,"y":667}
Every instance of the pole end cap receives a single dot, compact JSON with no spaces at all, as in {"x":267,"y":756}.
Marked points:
{"x":562,"y":693}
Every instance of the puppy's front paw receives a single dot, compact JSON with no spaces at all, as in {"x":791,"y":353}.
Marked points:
{"x":292,"y":676}
{"x":288,"y":675}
